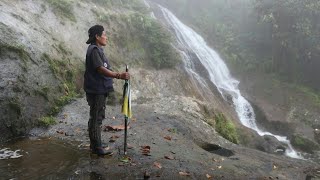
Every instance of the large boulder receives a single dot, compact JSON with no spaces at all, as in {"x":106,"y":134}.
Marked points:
{"x":272,"y":145}
{"x":302,"y":143}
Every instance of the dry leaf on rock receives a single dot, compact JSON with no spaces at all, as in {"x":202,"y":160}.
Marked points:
{"x":170,"y":157}
{"x":115,"y":128}
{"x":168,"y":138}
{"x":208,"y":176}
{"x":158,"y":165}
{"x":145,"y":150}
{"x":129,"y":146}
{"x":145,"y":147}
{"x":184,"y":173}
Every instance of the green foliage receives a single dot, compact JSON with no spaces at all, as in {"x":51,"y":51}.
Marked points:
{"x":226,"y":128}
{"x":313,"y":95}
{"x":304,"y":144}
{"x":105,"y":3}
{"x":63,"y":49}
{"x":60,"y":68}
{"x":136,"y":5}
{"x":157,"y":41}
{"x":275,"y":37}
{"x":142,"y":36}
{"x":17,"y":49}
{"x":173,"y":130}
{"x":67,"y":74}
{"x":293,"y":38}
{"x":47,"y":121}
{"x":44,"y":92}
{"x":63,"y":8}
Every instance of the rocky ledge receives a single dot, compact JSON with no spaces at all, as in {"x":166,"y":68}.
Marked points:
{"x":167,"y":137}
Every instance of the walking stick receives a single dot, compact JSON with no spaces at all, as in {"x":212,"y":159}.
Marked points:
{"x":125,"y":110}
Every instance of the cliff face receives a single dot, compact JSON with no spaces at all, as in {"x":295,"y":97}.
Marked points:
{"x":40,"y":58}
{"x":42,"y":53}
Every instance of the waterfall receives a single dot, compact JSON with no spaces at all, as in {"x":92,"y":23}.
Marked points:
{"x":219,"y":75}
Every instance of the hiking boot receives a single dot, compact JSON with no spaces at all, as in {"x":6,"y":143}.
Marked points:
{"x":103,"y":146}
{"x":101,"y":151}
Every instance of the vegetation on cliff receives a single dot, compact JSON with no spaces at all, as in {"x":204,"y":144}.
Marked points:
{"x":274,"y":37}
{"x":48,"y":71}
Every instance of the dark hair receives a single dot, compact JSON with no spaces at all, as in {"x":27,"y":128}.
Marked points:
{"x":93,"y":31}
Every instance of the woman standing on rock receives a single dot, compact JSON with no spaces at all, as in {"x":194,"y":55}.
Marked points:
{"x":98,"y":82}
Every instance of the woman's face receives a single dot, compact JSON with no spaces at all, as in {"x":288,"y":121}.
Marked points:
{"x":102,"y":40}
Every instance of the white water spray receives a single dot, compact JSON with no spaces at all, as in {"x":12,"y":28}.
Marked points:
{"x":219,"y":75}
{"x":6,"y":153}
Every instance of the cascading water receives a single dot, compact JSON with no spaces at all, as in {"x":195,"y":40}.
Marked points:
{"x":219,"y":74}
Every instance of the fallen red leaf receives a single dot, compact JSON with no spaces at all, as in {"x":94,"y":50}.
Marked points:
{"x":169,"y":157}
{"x":168,"y":138}
{"x":145,"y":150}
{"x":158,"y":165}
{"x":115,"y":128}
{"x":145,"y":147}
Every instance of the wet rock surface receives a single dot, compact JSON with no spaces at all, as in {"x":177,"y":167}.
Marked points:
{"x":178,"y":144}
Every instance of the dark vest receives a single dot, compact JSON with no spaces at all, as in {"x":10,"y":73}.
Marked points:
{"x":94,"y":82}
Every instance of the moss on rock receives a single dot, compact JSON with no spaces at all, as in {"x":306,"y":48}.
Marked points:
{"x":226,"y":128}
{"x":304,"y":144}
